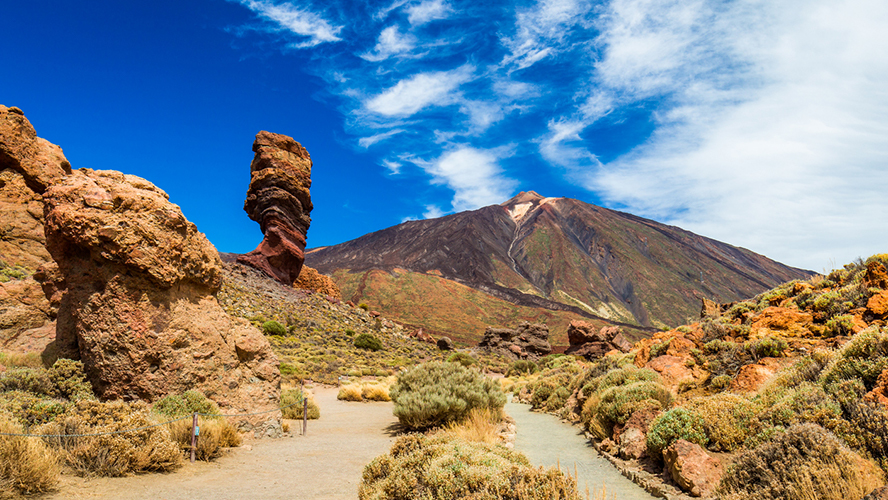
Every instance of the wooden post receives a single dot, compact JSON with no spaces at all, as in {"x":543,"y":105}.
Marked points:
{"x":194,"y":431}
{"x":304,"y":413}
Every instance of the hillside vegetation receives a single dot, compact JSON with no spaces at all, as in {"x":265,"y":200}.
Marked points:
{"x":790,"y":388}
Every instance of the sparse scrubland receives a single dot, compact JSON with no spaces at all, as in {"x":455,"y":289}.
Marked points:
{"x":792,"y":386}
{"x":461,"y":455}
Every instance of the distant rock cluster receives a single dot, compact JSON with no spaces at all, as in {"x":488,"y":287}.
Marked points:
{"x":592,"y":343}
{"x":279,"y":200}
{"x":527,"y":341}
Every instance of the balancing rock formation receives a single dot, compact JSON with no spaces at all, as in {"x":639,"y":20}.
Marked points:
{"x":279,"y":200}
{"x":591,"y":344}
{"x":527,"y":341}
{"x":135,"y":284}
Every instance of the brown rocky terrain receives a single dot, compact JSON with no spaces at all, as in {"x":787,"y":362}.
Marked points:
{"x":279,"y":200}
{"x":558,"y":255}
{"x":138,"y":304}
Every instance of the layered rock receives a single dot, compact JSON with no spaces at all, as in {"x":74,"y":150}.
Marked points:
{"x":279,"y":200}
{"x":28,"y":165}
{"x":136,"y":285}
{"x":527,"y":341}
{"x":586,"y":341}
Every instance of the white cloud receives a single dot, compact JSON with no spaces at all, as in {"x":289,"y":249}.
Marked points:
{"x":474,"y":175}
{"x":366,"y":142}
{"x":411,"y":95}
{"x":773,"y":135}
{"x":564,"y":147}
{"x":433,"y":212}
{"x":427,"y":11}
{"x":391,"y":43}
{"x":296,"y":20}
{"x":393,"y":167}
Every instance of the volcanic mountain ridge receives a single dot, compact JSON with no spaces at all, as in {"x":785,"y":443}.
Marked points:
{"x":543,"y":259}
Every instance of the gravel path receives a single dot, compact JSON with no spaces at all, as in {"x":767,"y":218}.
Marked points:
{"x":547,"y":441}
{"x":326,"y":463}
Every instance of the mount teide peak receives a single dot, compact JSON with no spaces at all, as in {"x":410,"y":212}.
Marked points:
{"x":558,"y":255}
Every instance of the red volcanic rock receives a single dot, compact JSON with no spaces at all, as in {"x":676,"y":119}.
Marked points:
{"x":879,"y":394}
{"x":585,"y":341}
{"x":279,"y":200}
{"x":136,"y":285}
{"x":692,"y":468}
{"x":421,"y":336}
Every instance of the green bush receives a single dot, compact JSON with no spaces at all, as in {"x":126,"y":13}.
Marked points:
{"x":553,"y":360}
{"x":675,"y":424}
{"x":557,"y":399}
{"x":442,"y":467}
{"x":436,"y":393}
{"x":364,"y":306}
{"x":462,"y":358}
{"x":618,"y":403}
{"x":274,"y":328}
{"x":30,"y":409}
{"x":541,"y":394}
{"x":180,"y":405}
{"x":367,"y":342}
{"x":720,"y":382}
{"x":522,"y":367}
{"x":804,"y":462}
{"x":292,"y":400}
{"x":728,"y":419}
{"x":768,"y":347}
{"x":864,"y":357}
{"x":840,"y":325}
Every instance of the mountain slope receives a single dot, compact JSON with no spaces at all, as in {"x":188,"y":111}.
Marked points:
{"x":561,"y":255}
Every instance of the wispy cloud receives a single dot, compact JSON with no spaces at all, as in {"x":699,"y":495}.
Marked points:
{"x":391,"y":43}
{"x":418,"y":92}
{"x":299,"y":21}
{"x":427,"y":11}
{"x":761,"y":124}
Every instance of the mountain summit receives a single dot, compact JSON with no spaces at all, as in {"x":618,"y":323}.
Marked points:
{"x":558,"y":255}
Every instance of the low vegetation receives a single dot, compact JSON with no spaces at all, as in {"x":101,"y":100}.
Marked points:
{"x":420,"y":466}
{"x":437,"y":393}
{"x":367,"y":390}
{"x":294,"y":408}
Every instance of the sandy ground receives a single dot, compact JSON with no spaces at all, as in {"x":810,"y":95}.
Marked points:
{"x":326,"y":463}
{"x":548,"y":441}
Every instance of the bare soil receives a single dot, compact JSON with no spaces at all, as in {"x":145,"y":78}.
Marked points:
{"x":326,"y":463}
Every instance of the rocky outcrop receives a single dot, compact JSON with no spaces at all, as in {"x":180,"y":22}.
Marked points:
{"x":527,"y":341}
{"x":632,"y":438}
{"x":279,"y":200}
{"x":590,"y":343}
{"x":311,"y":279}
{"x":879,"y":394}
{"x":694,"y":470}
{"x":136,"y":286}
{"x":28,"y":165}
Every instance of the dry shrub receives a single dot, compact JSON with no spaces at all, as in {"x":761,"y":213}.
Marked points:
{"x":25,"y":360}
{"x":294,"y":411}
{"x":350,"y":392}
{"x":375,"y":392}
{"x":26,"y":464}
{"x":806,"y":462}
{"x":215,"y":434}
{"x":728,"y":419}
{"x":419,"y":466}
{"x":150,"y":449}
{"x":480,"y":426}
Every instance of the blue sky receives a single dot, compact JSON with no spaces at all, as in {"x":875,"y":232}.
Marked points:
{"x":762,"y":124}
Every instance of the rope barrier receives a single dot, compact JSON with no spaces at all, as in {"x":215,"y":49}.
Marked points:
{"x":111,"y":433}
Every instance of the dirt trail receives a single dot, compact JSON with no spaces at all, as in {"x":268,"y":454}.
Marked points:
{"x":547,"y":441}
{"x":326,"y":463}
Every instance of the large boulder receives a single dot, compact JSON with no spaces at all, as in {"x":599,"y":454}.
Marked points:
{"x":28,"y":165}
{"x":279,"y":200}
{"x":527,"y":341}
{"x":694,"y":470}
{"x":136,"y":285}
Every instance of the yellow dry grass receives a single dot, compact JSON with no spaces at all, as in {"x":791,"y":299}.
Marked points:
{"x":26,"y":464}
{"x":481,"y":426}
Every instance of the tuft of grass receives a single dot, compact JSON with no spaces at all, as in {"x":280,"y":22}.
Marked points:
{"x":27,"y":465}
{"x":368,"y":342}
{"x":215,"y":435}
{"x":350,"y":393}
{"x":20,"y":360}
{"x":479,"y":426}
{"x":272,"y":327}
{"x":291,"y":396}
